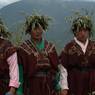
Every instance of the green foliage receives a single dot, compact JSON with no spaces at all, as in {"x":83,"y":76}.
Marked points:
{"x":80,"y":13}
{"x":33,"y":20}
{"x":82,"y":22}
{"x":18,"y":35}
{"x":82,"y":18}
{"x":3,"y":30}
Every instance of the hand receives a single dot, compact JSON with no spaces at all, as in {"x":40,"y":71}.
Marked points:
{"x":11,"y":91}
{"x":64,"y":92}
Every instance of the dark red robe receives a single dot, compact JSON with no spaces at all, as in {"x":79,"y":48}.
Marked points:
{"x":80,"y":68}
{"x":39,"y":68}
{"x":6,"y":50}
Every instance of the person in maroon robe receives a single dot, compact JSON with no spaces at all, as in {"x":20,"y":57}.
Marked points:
{"x":9,"y":76}
{"x":38,"y":58}
{"x":78,"y":57}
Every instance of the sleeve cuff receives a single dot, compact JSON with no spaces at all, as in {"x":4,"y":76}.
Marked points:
{"x":14,"y":83}
{"x":64,"y":87}
{"x":63,"y":77}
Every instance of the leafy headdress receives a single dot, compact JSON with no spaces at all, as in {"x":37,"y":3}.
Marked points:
{"x":3,"y":31}
{"x":34,"y":21}
{"x":82,"y":22}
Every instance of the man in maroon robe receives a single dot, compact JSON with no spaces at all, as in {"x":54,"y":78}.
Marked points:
{"x":38,"y":58}
{"x":78,"y":57}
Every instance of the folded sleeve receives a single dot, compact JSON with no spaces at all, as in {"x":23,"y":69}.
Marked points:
{"x":13,"y":70}
{"x":63,"y":77}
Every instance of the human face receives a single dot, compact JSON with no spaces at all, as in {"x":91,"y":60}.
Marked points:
{"x":36,"y":33}
{"x":82,"y":35}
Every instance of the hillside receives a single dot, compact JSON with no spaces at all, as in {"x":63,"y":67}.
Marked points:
{"x":59,"y":31}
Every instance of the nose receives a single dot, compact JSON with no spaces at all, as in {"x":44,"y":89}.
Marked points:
{"x":83,"y":32}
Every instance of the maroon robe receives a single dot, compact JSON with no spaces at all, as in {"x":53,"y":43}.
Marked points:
{"x":6,"y":50}
{"x":39,"y":68}
{"x":80,"y":68}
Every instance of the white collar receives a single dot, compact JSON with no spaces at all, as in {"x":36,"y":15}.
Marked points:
{"x":83,"y":46}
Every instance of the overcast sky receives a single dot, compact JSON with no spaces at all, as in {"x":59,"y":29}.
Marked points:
{"x":3,"y":3}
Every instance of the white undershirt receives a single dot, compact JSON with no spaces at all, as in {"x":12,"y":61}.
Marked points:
{"x":83,"y":46}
